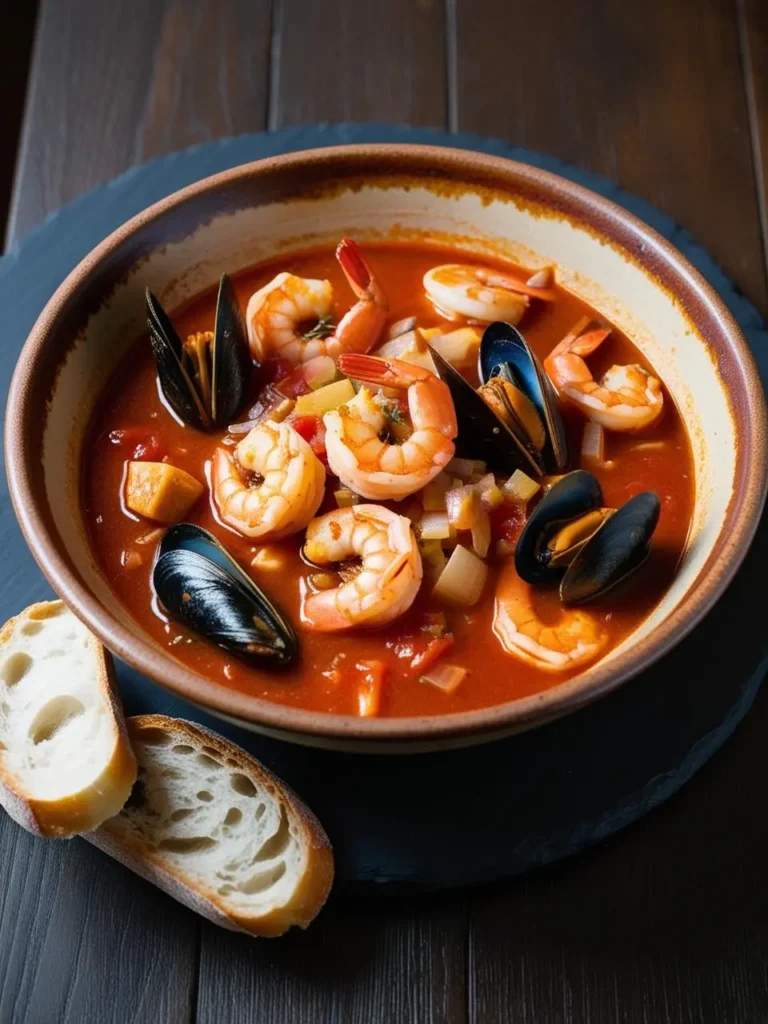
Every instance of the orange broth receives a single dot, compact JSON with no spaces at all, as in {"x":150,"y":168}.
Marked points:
{"x":132,"y":401}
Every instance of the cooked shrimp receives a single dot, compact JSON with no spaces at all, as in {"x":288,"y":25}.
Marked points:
{"x":627,"y":397}
{"x":478,"y":293}
{"x":357,"y":454}
{"x":276,"y":313}
{"x":389,"y":576}
{"x":575,"y":638}
{"x":272,"y":486}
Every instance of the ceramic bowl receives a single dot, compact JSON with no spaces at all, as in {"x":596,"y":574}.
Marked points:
{"x":484,"y":205}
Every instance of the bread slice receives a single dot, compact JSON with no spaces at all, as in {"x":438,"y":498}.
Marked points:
{"x":211,"y":826}
{"x":65,"y":761}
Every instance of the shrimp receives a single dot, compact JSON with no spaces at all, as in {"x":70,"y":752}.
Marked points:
{"x":627,"y":397}
{"x":272,"y":486}
{"x":478,"y":293}
{"x":276,"y":312}
{"x":357,"y":454}
{"x":574,"y":639}
{"x":389,"y":577}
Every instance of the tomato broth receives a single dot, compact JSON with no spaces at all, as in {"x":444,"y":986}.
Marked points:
{"x":131,"y":421}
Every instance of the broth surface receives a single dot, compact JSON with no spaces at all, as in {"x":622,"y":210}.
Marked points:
{"x":657,"y":458}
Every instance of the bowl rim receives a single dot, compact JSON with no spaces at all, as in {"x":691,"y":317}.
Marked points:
{"x":736,"y":532}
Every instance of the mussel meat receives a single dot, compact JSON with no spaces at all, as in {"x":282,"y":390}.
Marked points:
{"x":201,"y":586}
{"x":205,"y":379}
{"x":570,"y":535}
{"x":505,"y":356}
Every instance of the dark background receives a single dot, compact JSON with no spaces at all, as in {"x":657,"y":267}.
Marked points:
{"x":668,"y":921}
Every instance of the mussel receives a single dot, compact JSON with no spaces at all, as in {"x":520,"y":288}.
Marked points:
{"x":201,"y":586}
{"x":571,"y":536}
{"x":513,"y":420}
{"x":204,"y":379}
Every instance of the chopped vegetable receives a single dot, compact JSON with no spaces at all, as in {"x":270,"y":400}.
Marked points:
{"x":433,"y":557}
{"x":435,"y":649}
{"x":324,"y":399}
{"x":131,"y":559}
{"x":463,"y":468}
{"x":323,"y":580}
{"x":371,"y":680}
{"x":319,"y":372}
{"x":433,"y":495}
{"x":150,"y":536}
{"x":445,"y":677}
{"x":460,"y":506}
{"x":520,"y":488}
{"x":269,"y":558}
{"x":345,"y":498}
{"x":282,"y":410}
{"x":434,"y":526}
{"x":312,"y":429}
{"x":504,"y":548}
{"x":401,"y":327}
{"x":593,"y":443}
{"x":493,"y":497}
{"x":461,"y":582}
{"x":160,"y":491}
{"x":435,"y":623}
{"x":481,"y":528}
{"x":147,"y":447}
{"x":458,"y":347}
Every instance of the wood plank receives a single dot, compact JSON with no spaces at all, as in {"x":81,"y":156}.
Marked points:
{"x":753,"y":35}
{"x":117,"y":83}
{"x":359,"y":60}
{"x":648,"y":94}
{"x":15,"y":57}
{"x":665,"y":923}
{"x":364,"y":960}
{"x":85,"y":940}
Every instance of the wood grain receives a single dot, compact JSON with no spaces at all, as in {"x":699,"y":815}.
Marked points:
{"x":363,"y":960}
{"x":84,"y":940}
{"x":15,"y":53}
{"x":649,"y":94}
{"x":358,"y":60}
{"x":117,"y":83}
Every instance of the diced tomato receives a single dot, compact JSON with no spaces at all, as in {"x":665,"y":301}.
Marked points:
{"x":278,"y":369}
{"x":147,"y":447}
{"x":507,"y":521}
{"x":312,"y":429}
{"x":294,"y":384}
{"x":435,"y":649}
{"x":370,"y":680}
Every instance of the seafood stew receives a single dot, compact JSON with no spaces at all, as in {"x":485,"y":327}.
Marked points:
{"x":387,"y":481}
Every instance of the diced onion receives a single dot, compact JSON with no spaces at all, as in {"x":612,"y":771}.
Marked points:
{"x":345,"y":498}
{"x":459,"y":347}
{"x":459,"y":505}
{"x":401,"y":327}
{"x":593,"y":442}
{"x":434,"y":526}
{"x":481,"y":529}
{"x":461,"y":582}
{"x":520,"y":488}
{"x":493,"y":497}
{"x":463,"y":468}
{"x":433,"y":495}
{"x":433,"y":558}
{"x":446,"y":677}
{"x":319,"y":371}
{"x":269,"y":558}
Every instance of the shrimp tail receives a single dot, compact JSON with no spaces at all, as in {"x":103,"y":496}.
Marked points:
{"x":361,"y":278}
{"x":385,"y":373}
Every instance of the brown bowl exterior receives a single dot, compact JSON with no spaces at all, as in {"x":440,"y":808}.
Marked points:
{"x":442,"y":169}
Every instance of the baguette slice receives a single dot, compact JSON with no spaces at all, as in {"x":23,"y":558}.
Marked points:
{"x":213,"y":828}
{"x":65,"y":761}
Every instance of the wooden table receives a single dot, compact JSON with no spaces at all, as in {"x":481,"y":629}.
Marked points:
{"x":668,"y":922}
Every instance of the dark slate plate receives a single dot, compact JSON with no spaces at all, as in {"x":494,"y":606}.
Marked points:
{"x":466,"y":816}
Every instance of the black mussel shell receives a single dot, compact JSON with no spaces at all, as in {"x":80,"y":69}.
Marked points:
{"x":177,"y":386}
{"x":614,"y":552}
{"x":202,"y":587}
{"x":503,"y":350}
{"x":482,"y":435}
{"x":231,"y":357}
{"x":578,"y":492}
{"x":230,"y":363}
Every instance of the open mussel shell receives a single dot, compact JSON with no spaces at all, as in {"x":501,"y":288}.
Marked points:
{"x":505,"y":352}
{"x":482,"y":435}
{"x":615,"y":551}
{"x":575,"y":495}
{"x":201,"y":586}
{"x":228,"y":357}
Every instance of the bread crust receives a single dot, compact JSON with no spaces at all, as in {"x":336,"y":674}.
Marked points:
{"x":105,"y":795}
{"x":121,"y":842}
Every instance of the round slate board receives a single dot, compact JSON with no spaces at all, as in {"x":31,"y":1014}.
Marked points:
{"x":473,"y":815}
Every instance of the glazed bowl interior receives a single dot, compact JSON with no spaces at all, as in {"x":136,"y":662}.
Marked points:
{"x":482,"y":205}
